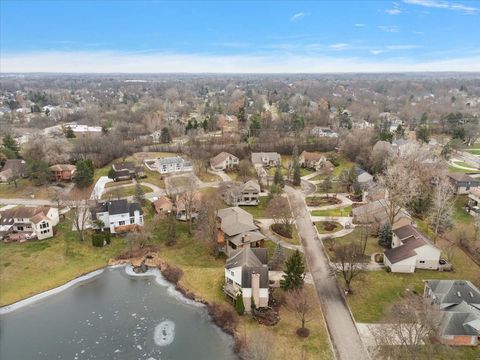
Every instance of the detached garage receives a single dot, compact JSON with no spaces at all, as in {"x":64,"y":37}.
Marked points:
{"x":411,"y":249}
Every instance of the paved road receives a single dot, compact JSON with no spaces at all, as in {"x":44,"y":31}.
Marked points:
{"x":29,"y":202}
{"x":343,"y":333}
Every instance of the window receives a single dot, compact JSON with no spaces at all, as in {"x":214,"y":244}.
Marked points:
{"x":422,"y":261}
{"x":121,"y":223}
{"x":132,"y":220}
{"x":43,"y":225}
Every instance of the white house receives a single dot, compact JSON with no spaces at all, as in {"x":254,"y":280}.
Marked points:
{"x":246,"y":272}
{"x":118,"y":215}
{"x":411,"y":250}
{"x":224,"y":161}
{"x":319,"y":131}
{"x":29,"y":222}
{"x":169,"y":165}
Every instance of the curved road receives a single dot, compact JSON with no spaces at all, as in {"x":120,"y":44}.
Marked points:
{"x":341,"y":327}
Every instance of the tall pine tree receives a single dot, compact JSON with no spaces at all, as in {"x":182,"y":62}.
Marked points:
{"x":294,"y":272}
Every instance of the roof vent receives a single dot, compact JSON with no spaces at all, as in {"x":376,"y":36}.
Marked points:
{"x":458,"y":294}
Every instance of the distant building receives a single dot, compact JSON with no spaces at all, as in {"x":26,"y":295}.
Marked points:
{"x":474,"y":200}
{"x":63,"y":172}
{"x":459,"y":303}
{"x":127,"y":171}
{"x":246,"y":273}
{"x":169,"y":165}
{"x":13,"y":168}
{"x":411,"y":250}
{"x":266,"y":159}
{"x":319,"y":131}
{"x":311,"y":160}
{"x":163,"y":205}
{"x":118,"y":216}
{"x":224,"y":161}
{"x":25,"y":223}
{"x":363,"y":178}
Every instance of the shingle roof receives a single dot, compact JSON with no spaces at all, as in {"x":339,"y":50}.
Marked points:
{"x":115,"y":207}
{"x":252,"y":261}
{"x":311,"y":156}
{"x":216,"y":160}
{"x":26,"y":212}
{"x":63,"y":167}
{"x":411,"y":239}
{"x":16,"y":165}
{"x":450,"y":292}
{"x":171,"y":160}
{"x":235,"y":220}
{"x":257,"y":158}
{"x":124,"y":166}
{"x":462,"y":177}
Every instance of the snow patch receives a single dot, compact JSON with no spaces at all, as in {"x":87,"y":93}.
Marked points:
{"x":164,"y":333}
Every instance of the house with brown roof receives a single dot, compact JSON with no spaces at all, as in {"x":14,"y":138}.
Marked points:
{"x":411,"y":249}
{"x":246,"y":273}
{"x":28,"y":222}
{"x":13,"y":168}
{"x":163,"y":205}
{"x":311,"y":160}
{"x":224,"y":161}
{"x":63,"y":172}
{"x":184,"y":201}
{"x":236,"y":230}
{"x":462,"y":183}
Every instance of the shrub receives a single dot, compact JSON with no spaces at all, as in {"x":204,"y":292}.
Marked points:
{"x":97,"y":240}
{"x":172,"y":274}
{"x":224,"y":318}
{"x":388,"y":269}
{"x":239,"y":305}
{"x":282,"y":230}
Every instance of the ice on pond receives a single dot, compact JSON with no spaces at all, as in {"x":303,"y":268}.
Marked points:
{"x":164,"y":333}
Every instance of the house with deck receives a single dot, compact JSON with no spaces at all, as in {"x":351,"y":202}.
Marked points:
{"x":28,"y":222}
{"x":237,"y":194}
{"x":459,"y":304}
{"x":267,"y":159}
{"x":411,"y":249}
{"x":236,"y":230}
{"x":128,"y":171}
{"x":246,"y":273}
{"x":118,"y":216}
{"x":169,"y":165}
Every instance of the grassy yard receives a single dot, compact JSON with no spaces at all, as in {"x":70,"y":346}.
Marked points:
{"x":295,"y":240}
{"x":123,"y":191}
{"x":459,"y":213}
{"x":258,"y":211}
{"x":344,"y":164}
{"x":453,"y":169}
{"x":29,"y":268}
{"x":473,"y":151}
{"x":337,"y":187}
{"x":25,"y":189}
{"x":355,"y":236}
{"x":344,"y":211}
{"x":375,"y":291}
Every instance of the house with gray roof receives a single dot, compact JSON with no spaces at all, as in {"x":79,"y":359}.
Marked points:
{"x":462,"y":183}
{"x":237,"y":194}
{"x":224,"y":161}
{"x":13,"y":168}
{"x":118,"y":215}
{"x":236,"y":230}
{"x":246,"y":273}
{"x":411,"y":249}
{"x":459,"y":302}
{"x":169,"y":165}
{"x":266,"y":159}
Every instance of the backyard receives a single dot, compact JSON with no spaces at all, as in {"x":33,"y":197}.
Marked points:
{"x":122,"y":191}
{"x":258,"y":211}
{"x":26,"y":189}
{"x":344,"y":211}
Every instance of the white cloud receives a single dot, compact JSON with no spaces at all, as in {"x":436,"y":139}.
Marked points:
{"x":393,"y":11}
{"x":297,"y":17}
{"x":402,"y":47}
{"x":339,"y":46}
{"x":121,"y":62}
{"x":377,"y":52}
{"x":390,"y":29}
{"x":360,"y":25}
{"x":444,"y":5}
{"x":418,"y":32}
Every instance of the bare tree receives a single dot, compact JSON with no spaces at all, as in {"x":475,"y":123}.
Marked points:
{"x":79,"y":214}
{"x":348,"y":262}
{"x":207,"y":221}
{"x":442,"y":206}
{"x":279,"y":209}
{"x":401,"y":187}
{"x":407,"y":330}
{"x":187,"y":197}
{"x":301,"y":303}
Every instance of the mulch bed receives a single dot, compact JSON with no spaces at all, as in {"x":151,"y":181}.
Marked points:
{"x":282,"y":230}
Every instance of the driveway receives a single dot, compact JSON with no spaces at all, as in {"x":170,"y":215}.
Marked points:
{"x":99,"y":187}
{"x":340,"y":324}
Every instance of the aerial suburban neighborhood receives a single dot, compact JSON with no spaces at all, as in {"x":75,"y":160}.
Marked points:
{"x":194,"y":205}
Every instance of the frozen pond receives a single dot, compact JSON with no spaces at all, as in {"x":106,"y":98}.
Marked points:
{"x":113,"y":315}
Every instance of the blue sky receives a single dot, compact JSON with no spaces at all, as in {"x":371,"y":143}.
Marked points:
{"x":249,"y":36}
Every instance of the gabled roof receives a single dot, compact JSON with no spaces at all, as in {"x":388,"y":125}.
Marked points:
{"x":15,"y":165}
{"x":375,"y":212}
{"x":411,"y":239}
{"x":250,"y":184}
{"x":462,"y":177}
{"x":311,"y":156}
{"x":115,"y":207}
{"x":464,"y":322}
{"x":130,"y":166}
{"x":24,"y":212}
{"x":235,"y":220}
{"x":216,"y":160}
{"x":171,"y":160}
{"x":63,"y":167}
{"x":252,"y":261}
{"x":257,"y":157}
{"x":39,"y":218}
{"x":451,"y":292}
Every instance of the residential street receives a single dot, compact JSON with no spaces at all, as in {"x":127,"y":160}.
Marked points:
{"x":343,"y":333}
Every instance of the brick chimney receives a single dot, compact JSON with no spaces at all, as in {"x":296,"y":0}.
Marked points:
{"x":256,"y":288}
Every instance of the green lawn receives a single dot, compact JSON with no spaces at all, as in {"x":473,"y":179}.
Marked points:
{"x":344,"y":211}
{"x":124,"y":191}
{"x":295,"y":239}
{"x":473,"y":151}
{"x":355,"y":236}
{"x":30,"y":268}
{"x":258,"y":211}
{"x":26,"y":189}
{"x":320,"y":200}
{"x":344,"y":164}
{"x":459,"y":213}
{"x":375,"y":291}
{"x":337,"y":187}
{"x":453,"y":169}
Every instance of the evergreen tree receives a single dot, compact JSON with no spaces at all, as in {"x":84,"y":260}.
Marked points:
{"x":422,"y":134}
{"x":69,"y":134}
{"x":84,"y":174}
{"x":278,"y":259}
{"x":39,"y":172}
{"x":385,"y":236}
{"x":239,"y":305}
{"x":165,"y":137}
{"x":294,"y":272}
{"x":326,"y":185}
{"x":112,"y":174}
{"x":171,"y":230}
{"x":278,"y":177}
{"x":10,"y":143}
{"x":255,"y":125}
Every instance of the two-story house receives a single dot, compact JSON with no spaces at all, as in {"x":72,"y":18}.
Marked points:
{"x":459,"y":304}
{"x":170,"y":165}
{"x":246,"y":273}
{"x":63,"y":172}
{"x":25,"y":222}
{"x":118,"y":215}
{"x":242,"y":194}
{"x":127,"y":171}
{"x":311,"y":160}
{"x":236,"y":230}
{"x":462,"y":183}
{"x":224,"y":161}
{"x":266,"y":159}
{"x":411,"y":250}
{"x":319,"y":131}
